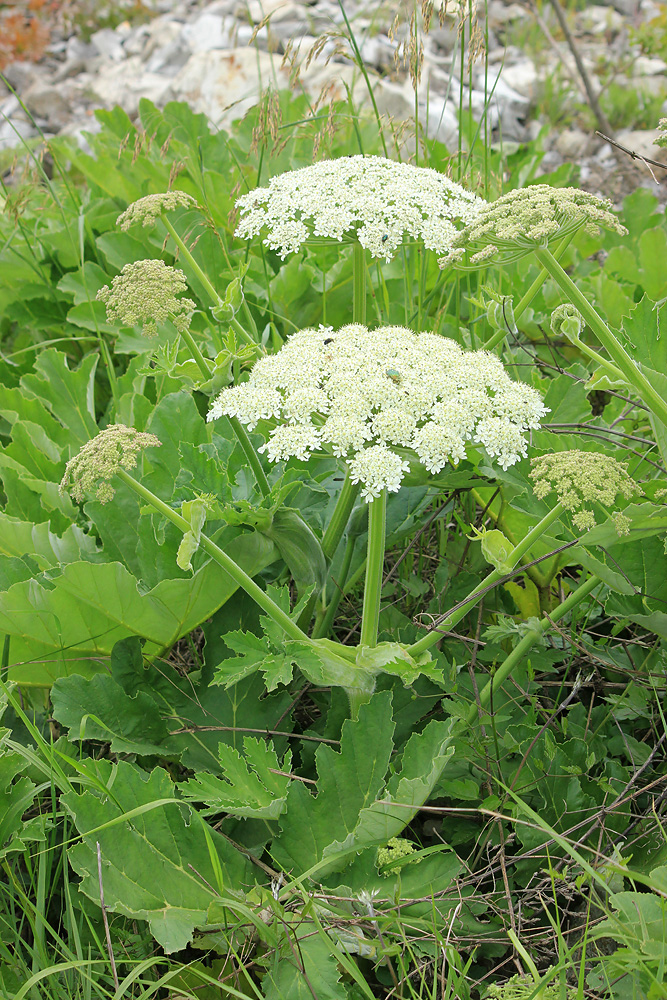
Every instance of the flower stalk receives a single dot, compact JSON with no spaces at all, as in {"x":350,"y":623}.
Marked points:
{"x":527,"y":642}
{"x":449,"y":620}
{"x":377,"y":520}
{"x":631,"y":373}
{"x":239,"y":576}
{"x":359,"y":285}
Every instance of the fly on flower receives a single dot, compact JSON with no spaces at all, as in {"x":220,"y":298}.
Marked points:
{"x":395,"y":376}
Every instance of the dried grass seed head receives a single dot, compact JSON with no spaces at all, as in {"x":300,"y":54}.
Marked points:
{"x":532,"y":217}
{"x":98,"y":461}
{"x":367,"y":396}
{"x":145,"y":292}
{"x":147,"y":210}
{"x":376,"y":200}
{"x":580,"y":479}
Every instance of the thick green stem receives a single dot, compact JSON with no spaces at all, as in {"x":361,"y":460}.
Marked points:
{"x":324,"y":622}
{"x":340,"y":517}
{"x":237,"y":426}
{"x":448,"y":621}
{"x":206,"y":282}
{"x":528,"y":297}
{"x":239,"y":576}
{"x":616,"y":351}
{"x":359,"y":285}
{"x":529,"y":640}
{"x":377,"y":518}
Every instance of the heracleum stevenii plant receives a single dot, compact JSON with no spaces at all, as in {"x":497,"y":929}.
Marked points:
{"x":580,"y":479}
{"x":146,"y":292}
{"x":529,"y":218}
{"x":100,"y":459}
{"x":662,"y":128}
{"x":379,"y":397}
{"x":147,"y":210}
{"x":375,"y":200}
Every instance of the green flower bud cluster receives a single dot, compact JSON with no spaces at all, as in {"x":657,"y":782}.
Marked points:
{"x":396,"y":848}
{"x":527,"y":219}
{"x":101,"y":458}
{"x":521,"y":988}
{"x":567,"y":321}
{"x":662,"y":127}
{"x":583,"y":477}
{"x":146,"y":292}
{"x":147,"y":210}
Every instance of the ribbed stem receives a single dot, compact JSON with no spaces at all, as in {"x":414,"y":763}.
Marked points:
{"x":377,"y":518}
{"x":451,"y":619}
{"x":529,"y":640}
{"x":340,"y":517}
{"x":323,"y":624}
{"x":237,"y":574}
{"x":609,"y":341}
{"x":205,"y":280}
{"x":237,"y":426}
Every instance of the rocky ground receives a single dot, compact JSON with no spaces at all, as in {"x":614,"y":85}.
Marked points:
{"x":218,"y":56}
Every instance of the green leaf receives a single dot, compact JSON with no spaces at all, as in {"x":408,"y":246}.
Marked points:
{"x":68,"y":394}
{"x":158,"y":863}
{"x":424,"y":759}
{"x":317,"y":973}
{"x":348,"y":782}
{"x":300,"y":549}
{"x":250,"y":787}
{"x":16,"y":797}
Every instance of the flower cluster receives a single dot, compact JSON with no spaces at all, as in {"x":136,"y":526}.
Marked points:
{"x":662,"y":127}
{"x":100,"y":459}
{"x":524,"y":987}
{"x":583,"y":477}
{"x":367,"y":395}
{"x":145,"y":292}
{"x":375,"y":199}
{"x":147,"y":210}
{"x":397,"y":848}
{"x":528,"y":218}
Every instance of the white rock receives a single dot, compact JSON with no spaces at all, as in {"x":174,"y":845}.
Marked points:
{"x":257,"y":10}
{"x":108,"y":44}
{"x":394,"y":99}
{"x":135,"y":42}
{"x":48,"y":102}
{"x":13,"y":131}
{"x":647,"y":66}
{"x":128,"y":86}
{"x":163,"y":31}
{"x":20,"y":75}
{"x":599,"y":20}
{"x":209,"y":31}
{"x":224,"y":85}
{"x":522,"y":78}
{"x":640,"y":141}
{"x":572,"y":144}
{"x":442,"y":122}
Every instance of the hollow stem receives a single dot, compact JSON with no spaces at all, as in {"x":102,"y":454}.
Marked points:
{"x":451,"y":619}
{"x":340,"y":517}
{"x":359,"y":285}
{"x":377,"y":518}
{"x":324,"y":622}
{"x":631,"y":373}
{"x":237,"y":426}
{"x":206,"y":282}
{"x":237,"y":574}
{"x":529,"y":640}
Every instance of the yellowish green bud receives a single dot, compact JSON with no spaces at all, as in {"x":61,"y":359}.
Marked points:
{"x":100,"y":459}
{"x":582,"y":478}
{"x":397,"y":848}
{"x":145,"y":293}
{"x":146,"y":210}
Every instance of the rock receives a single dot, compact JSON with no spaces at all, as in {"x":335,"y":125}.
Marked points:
{"x":522,"y":78}
{"x":224,"y":85}
{"x":108,"y":44}
{"x":209,"y":31}
{"x":135,"y":42}
{"x":442,"y":122}
{"x":646,"y":66}
{"x":257,"y":10}
{"x":378,"y":52}
{"x":20,"y":75}
{"x":600,"y":20}
{"x":572,"y":144}
{"x":79,"y":50}
{"x":48,"y":102}
{"x":126,"y":88}
{"x":640,"y":141}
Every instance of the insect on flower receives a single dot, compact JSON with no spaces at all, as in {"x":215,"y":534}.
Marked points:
{"x":394,"y":375}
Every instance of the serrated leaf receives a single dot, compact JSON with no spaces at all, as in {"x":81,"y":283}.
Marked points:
{"x":424,"y":759}
{"x":156,"y":862}
{"x":348,"y":782}
{"x":16,"y":796}
{"x":316,"y":975}
{"x":250,"y":788}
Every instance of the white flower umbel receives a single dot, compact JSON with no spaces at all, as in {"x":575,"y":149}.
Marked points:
{"x":381,"y":397}
{"x":527,"y":219}
{"x":378,"y":201}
